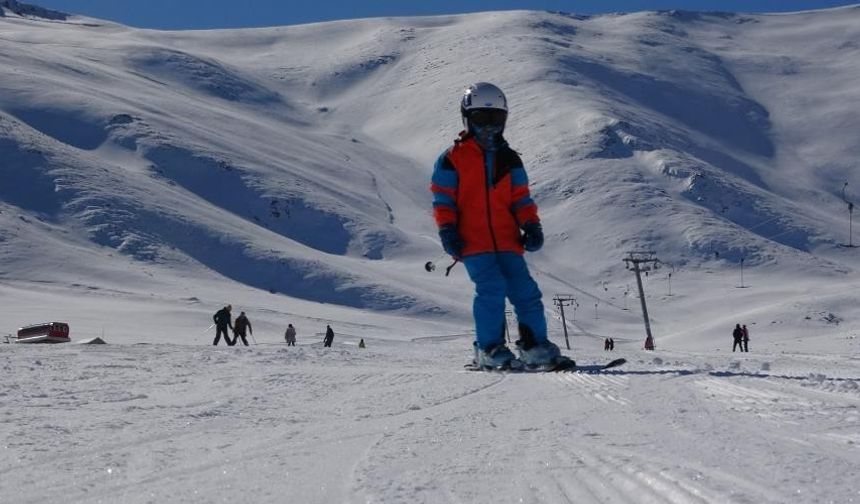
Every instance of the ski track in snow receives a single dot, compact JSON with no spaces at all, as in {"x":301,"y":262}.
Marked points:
{"x":603,"y":476}
{"x":605,"y":387}
{"x":831,"y":416}
{"x":401,"y":422}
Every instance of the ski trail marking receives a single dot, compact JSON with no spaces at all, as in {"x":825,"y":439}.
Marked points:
{"x":628,"y":477}
{"x":604,"y":388}
{"x":788,"y":403}
{"x":625,"y":479}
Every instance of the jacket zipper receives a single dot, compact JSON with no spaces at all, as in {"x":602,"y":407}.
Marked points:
{"x":487,"y":185}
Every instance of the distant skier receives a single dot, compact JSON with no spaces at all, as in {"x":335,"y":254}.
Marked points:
{"x":222,"y":321}
{"x":361,"y":343}
{"x":239,"y":326}
{"x":611,"y":344}
{"x":486,"y":218}
{"x":746,"y":338}
{"x":329,"y":336}
{"x":290,"y":335}
{"x":738,"y":336}
{"x":605,"y":344}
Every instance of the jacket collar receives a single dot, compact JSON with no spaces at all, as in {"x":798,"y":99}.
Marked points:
{"x":466,"y":136}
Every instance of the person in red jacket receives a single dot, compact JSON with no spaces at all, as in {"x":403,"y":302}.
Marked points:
{"x":487,"y":219}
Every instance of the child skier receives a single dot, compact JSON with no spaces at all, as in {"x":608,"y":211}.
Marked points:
{"x":486,"y":219}
{"x":239,"y":326}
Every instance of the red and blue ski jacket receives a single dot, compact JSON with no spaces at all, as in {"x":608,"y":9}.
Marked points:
{"x":485,"y":193}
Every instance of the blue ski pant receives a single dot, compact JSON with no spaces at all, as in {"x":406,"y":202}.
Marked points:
{"x":500,"y":275}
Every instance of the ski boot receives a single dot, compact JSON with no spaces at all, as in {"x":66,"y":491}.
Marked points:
{"x":541,"y":355}
{"x":497,"y":358}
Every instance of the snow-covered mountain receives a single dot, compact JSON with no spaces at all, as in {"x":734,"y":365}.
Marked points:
{"x":147,"y":178}
{"x":28,"y":10}
{"x":290,"y":166}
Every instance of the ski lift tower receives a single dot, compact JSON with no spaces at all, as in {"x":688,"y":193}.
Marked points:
{"x":640,"y":261}
{"x":562,"y":300}
{"x":850,"y":215}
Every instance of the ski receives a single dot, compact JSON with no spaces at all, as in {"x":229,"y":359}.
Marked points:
{"x":567,"y":366}
{"x":594,"y":368}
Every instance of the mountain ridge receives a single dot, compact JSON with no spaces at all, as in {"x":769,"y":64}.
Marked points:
{"x":229,"y":152}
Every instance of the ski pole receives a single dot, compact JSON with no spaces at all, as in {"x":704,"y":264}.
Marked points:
{"x":430,"y":266}
{"x":253,"y":338}
{"x":207,"y":329}
{"x":448,"y":269}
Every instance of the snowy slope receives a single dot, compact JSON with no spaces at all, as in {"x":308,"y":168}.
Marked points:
{"x":186,"y":157}
{"x":397,"y":423}
{"x":147,"y":178}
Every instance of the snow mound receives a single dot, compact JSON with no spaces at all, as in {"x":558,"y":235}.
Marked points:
{"x":91,"y":341}
{"x":23,"y":9}
{"x":200,"y":75}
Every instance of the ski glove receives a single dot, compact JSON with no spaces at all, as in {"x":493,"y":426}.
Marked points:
{"x":532,"y":236}
{"x":451,"y":241}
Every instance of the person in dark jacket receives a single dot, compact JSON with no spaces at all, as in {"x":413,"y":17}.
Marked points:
{"x":290,"y":335}
{"x":242,"y":323}
{"x":329,"y":336}
{"x":223,"y":321}
{"x":611,"y":344}
{"x":738,"y":335}
{"x":746,"y":338}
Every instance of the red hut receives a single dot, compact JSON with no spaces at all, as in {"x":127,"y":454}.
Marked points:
{"x":49,"y":332}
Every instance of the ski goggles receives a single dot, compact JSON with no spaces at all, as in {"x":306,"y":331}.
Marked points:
{"x":487,"y":117}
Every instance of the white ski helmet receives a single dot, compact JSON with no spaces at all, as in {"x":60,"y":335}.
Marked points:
{"x":485,"y":97}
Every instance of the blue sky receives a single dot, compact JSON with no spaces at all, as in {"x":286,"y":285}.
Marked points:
{"x":195,"y":14}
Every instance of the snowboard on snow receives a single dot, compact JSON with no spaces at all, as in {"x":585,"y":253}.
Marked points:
{"x":567,"y":365}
